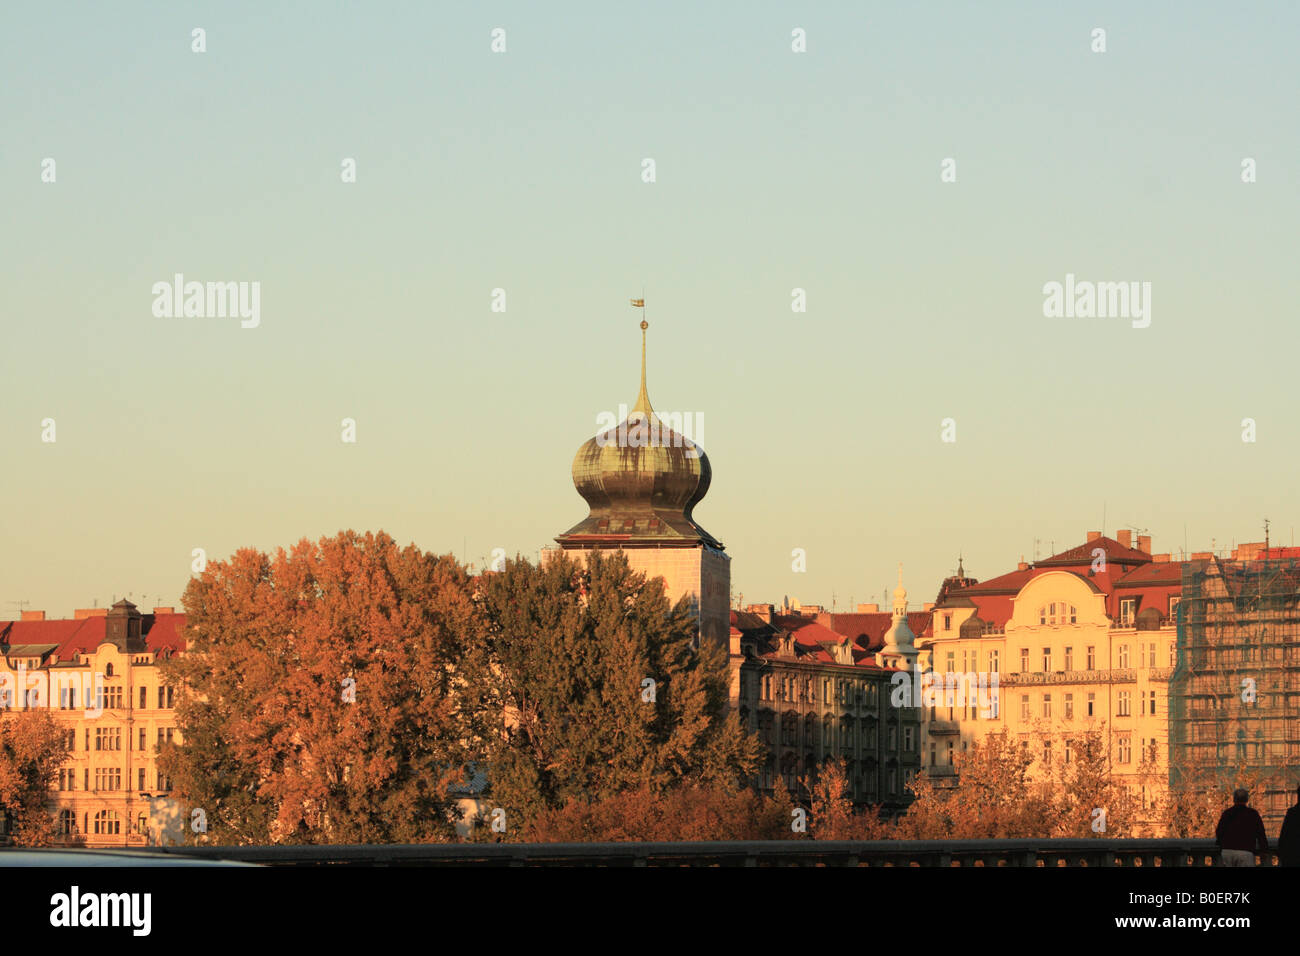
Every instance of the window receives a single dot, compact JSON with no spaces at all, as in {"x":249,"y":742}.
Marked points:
{"x":165,"y":782}
{"x":164,"y":697}
{"x":67,"y":823}
{"x":1149,"y":704}
{"x":947,"y":622}
{"x":1127,"y":611}
{"x":1125,"y":750}
{"x":1047,"y":705}
{"x":1042,"y":614}
{"x":993,"y":662}
{"x":1047,"y":751}
{"x":1123,"y":704}
{"x":72,"y":738}
{"x":951,"y":661}
{"x":1069,"y":658}
{"x":1173,"y":607}
{"x":108,"y":778}
{"x":68,"y":779}
{"x":1024,"y":660}
{"x":1092,"y":703}
{"x":144,"y":699}
{"x":933,"y":759}
{"x":140,"y":780}
{"x":1092,"y":658}
{"x":108,"y":738}
{"x":1069,"y":707}
{"x":142,"y":824}
{"x":107,"y":823}
{"x":1151,"y":655}
{"x":908,"y":741}
{"x":1047,"y":659}
{"x":1074,"y":615}
{"x":1024,"y":706}
{"x":1066,"y":756}
{"x":950,"y":752}
{"x":1123,"y":655}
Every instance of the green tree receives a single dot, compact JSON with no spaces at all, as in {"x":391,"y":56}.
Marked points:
{"x":321,"y":698}
{"x":601,"y":690}
{"x":33,"y":745}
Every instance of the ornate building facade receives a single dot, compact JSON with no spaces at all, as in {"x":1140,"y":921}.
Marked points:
{"x":1082,"y":641}
{"x":819,"y":687}
{"x":98,"y":675}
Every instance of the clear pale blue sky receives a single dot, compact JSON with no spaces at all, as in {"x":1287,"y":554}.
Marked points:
{"x":522,"y":170}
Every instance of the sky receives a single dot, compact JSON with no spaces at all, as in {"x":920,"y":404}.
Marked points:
{"x":522,"y":170}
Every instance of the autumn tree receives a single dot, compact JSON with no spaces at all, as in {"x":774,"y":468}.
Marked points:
{"x":321,"y":698}
{"x":602,"y":690}
{"x":33,"y":745}
{"x":685,"y":812}
{"x":830,"y":807}
{"x":996,"y":796}
{"x":1085,"y":785}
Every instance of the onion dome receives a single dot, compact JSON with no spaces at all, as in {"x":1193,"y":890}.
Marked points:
{"x":899,"y":648}
{"x":640,"y":479}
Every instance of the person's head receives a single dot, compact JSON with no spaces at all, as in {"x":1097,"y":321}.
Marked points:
{"x":1240,"y":796}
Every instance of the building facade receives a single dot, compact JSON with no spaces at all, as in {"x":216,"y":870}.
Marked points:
{"x":816,"y":694}
{"x":1082,"y":641}
{"x":98,"y":675}
{"x":1236,"y":691}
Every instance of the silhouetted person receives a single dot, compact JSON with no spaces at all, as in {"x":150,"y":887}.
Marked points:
{"x":1240,"y":832}
{"x":1288,"y":841}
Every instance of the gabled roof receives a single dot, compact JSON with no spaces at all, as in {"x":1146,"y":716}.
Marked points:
{"x":1115,"y":552}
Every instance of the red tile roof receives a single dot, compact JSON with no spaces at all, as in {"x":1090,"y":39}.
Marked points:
{"x":1083,"y":554}
{"x":162,"y":632}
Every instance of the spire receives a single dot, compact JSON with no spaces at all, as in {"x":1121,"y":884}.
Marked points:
{"x":642,"y":399}
{"x":961,"y":573}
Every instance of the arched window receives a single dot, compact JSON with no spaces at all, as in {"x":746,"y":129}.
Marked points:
{"x":108,"y":670}
{"x":107,"y":823}
{"x":67,"y":823}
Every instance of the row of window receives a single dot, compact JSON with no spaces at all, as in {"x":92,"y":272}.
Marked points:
{"x":110,"y":738}
{"x":106,"y":823}
{"x":843,"y":734}
{"x":107,"y":778}
{"x":789,"y":687}
{"x":90,"y":698}
{"x":1123,"y":750}
{"x":1123,"y":705}
{"x":1059,"y":612}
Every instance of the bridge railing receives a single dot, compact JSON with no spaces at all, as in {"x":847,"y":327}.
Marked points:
{"x":942,"y":853}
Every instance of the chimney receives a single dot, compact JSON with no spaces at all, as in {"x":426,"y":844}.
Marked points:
{"x":1022,"y":566}
{"x":928,"y":606}
{"x":1094,"y":535}
{"x":1202,"y":555}
{"x":81,"y":613}
{"x":164,"y":610}
{"x":868,"y":608}
{"x":1124,"y":537}
{"x":1160,"y":558}
{"x":1144,"y":543}
{"x":33,"y":615}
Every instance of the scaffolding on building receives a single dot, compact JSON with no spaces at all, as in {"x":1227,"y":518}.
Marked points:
{"x":1234,"y":696}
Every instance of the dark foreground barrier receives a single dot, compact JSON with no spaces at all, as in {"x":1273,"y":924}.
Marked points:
{"x":1106,"y":853}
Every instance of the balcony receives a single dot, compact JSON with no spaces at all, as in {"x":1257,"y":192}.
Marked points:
{"x":943,"y":727}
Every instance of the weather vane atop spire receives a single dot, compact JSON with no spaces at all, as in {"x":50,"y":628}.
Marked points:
{"x":642,"y":399}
